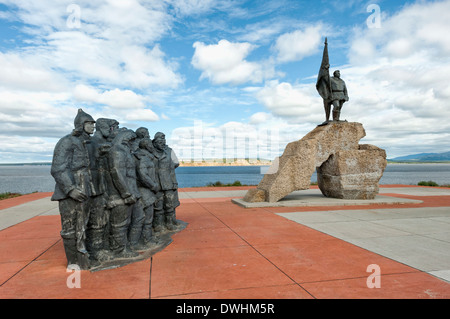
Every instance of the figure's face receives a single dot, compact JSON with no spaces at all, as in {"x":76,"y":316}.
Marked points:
{"x":128,"y":138}
{"x":113,"y":130}
{"x":104,"y":129}
{"x":337,"y":74}
{"x":159,"y":144}
{"x":89,"y":127}
{"x":143,"y":134}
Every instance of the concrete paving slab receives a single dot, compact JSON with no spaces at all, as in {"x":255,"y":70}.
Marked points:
{"x":443,"y":274}
{"x":417,"y":212}
{"x":420,"y":252}
{"x":369,"y":214}
{"x":417,"y":191}
{"x":445,"y":236}
{"x":419,"y":226}
{"x":16,"y":214}
{"x":306,"y":218}
{"x":418,"y":237}
{"x":313,"y":197}
{"x":355,"y":229}
{"x":214,"y":194}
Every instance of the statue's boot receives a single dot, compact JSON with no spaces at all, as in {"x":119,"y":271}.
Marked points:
{"x":118,"y":244}
{"x":171,"y":221}
{"x":147,"y":234}
{"x":125,"y":253}
{"x":336,"y":115}
{"x":96,"y":245}
{"x":74,"y":257}
{"x":158,"y":223}
{"x":134,"y":236}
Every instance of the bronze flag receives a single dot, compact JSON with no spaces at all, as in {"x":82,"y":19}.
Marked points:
{"x":323,"y":84}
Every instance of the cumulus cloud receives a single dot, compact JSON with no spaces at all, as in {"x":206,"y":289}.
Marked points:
{"x":296,"y":103}
{"x":17,"y":149}
{"x":124,"y":104}
{"x":420,"y":27}
{"x":115,"y":98}
{"x":296,"y":45}
{"x":25,"y":72}
{"x":109,"y":46}
{"x":35,"y":114}
{"x":192,"y":7}
{"x":117,"y":47}
{"x":260,"y":117}
{"x":225,"y":62}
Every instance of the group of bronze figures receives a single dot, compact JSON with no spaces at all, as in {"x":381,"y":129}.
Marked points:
{"x":117,"y":191}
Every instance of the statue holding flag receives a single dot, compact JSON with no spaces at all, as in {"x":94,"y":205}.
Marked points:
{"x":332,"y":89}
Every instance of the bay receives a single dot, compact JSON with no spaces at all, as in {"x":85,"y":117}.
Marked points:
{"x":26,"y":179}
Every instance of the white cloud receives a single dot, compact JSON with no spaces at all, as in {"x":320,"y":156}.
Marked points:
{"x":260,"y":117}
{"x":225,"y":62}
{"x":192,"y":7}
{"x":129,"y":21}
{"x":298,"y":103}
{"x":114,"y":45}
{"x":421,"y":27}
{"x":298,"y":44}
{"x":124,"y":104}
{"x":35,"y":113}
{"x":141,"y":115}
{"x":25,"y":72}
{"x":121,"y":99}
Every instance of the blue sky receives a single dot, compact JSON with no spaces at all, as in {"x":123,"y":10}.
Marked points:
{"x":222,"y":78}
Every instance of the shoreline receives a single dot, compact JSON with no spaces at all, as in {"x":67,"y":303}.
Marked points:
{"x":234,"y":163}
{"x":220,"y":162}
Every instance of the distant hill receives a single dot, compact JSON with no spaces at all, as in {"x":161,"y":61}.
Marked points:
{"x":423,"y":157}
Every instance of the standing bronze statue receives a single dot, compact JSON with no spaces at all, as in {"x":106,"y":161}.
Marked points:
{"x":167,"y":198}
{"x":74,"y":189}
{"x":148,"y":184}
{"x":332,"y":89}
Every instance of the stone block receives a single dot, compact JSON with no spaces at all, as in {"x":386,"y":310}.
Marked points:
{"x":293,"y":170}
{"x":352,"y":174}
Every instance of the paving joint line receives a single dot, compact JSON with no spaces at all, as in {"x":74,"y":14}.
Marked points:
{"x":33,"y":260}
{"x":365,"y":277}
{"x":150,"y":279}
{"x":231,"y":289}
{"x":284,"y":273}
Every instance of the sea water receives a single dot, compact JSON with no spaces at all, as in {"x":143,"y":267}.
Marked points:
{"x":26,"y":179}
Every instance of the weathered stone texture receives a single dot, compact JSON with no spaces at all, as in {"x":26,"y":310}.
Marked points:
{"x":352,"y":174}
{"x":293,"y":170}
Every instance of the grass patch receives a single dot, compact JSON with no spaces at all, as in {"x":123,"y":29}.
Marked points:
{"x":235,"y":183}
{"x":220,"y":184}
{"x":9,"y":195}
{"x":432,"y":183}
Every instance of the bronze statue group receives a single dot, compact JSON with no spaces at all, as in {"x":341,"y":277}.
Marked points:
{"x":117,"y":191}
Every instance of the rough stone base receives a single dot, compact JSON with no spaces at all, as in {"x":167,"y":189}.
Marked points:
{"x":357,"y":167}
{"x":352,"y":174}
